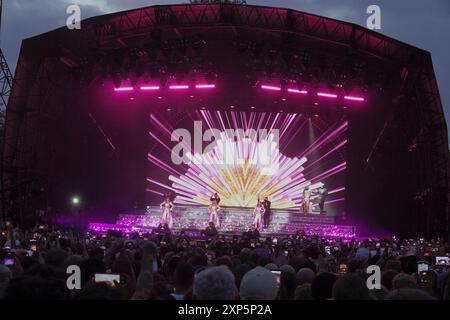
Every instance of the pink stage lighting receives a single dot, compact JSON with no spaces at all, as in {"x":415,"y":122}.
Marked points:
{"x":205,"y":86}
{"x":179,"y":87}
{"x":297,"y":91}
{"x":327,"y":95}
{"x":273,"y":88}
{"x":123,"y":89}
{"x":354,"y":98}
{"x":150,"y":88}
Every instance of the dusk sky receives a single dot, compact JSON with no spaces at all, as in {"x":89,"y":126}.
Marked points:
{"x":422,"y":23}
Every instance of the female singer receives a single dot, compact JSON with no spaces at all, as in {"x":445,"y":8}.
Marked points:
{"x":167,"y":207}
{"x":213,"y":214}
{"x":258,"y":216}
{"x":305,"y":206}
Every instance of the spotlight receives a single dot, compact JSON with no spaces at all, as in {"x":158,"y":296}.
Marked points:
{"x":133,"y":79}
{"x":306,"y":58}
{"x":75,"y":200}
{"x":198,"y":44}
{"x":163,"y":81}
{"x":179,"y":77}
{"x":210,"y":77}
{"x":117,"y":80}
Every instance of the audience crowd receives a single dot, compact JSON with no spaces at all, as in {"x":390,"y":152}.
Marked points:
{"x":160,"y":266}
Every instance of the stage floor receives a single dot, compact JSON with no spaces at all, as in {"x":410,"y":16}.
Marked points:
{"x":233,"y":221}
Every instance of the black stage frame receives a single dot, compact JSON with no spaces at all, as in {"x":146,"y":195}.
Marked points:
{"x":406,"y":149}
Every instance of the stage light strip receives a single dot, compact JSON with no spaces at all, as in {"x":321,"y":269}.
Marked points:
{"x":297,"y":91}
{"x":327,"y":95}
{"x":150,"y":88}
{"x":179,"y":87}
{"x":123,"y":89}
{"x":352,"y":98}
{"x":273,"y":88}
{"x":205,"y":86}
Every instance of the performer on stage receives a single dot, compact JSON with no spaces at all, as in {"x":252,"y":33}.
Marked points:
{"x":213,"y":214}
{"x":323,"y":193}
{"x":215,"y":198}
{"x":258,"y":216}
{"x":305,"y":206}
{"x":267,"y":212}
{"x":167,"y":207}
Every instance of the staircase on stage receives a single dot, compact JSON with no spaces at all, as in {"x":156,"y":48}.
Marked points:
{"x":233,"y":220}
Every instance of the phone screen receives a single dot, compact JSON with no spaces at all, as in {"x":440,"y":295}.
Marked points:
{"x":343,"y":268}
{"x":277,"y":274}
{"x":110,"y":278}
{"x":443,"y":261}
{"x":422,"y":267}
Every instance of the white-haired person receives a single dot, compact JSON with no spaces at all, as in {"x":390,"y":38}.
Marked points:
{"x":215,"y":283}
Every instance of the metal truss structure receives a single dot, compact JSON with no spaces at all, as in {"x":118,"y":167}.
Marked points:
{"x":5,"y":74}
{"x":44,"y":59}
{"x":6,"y":79}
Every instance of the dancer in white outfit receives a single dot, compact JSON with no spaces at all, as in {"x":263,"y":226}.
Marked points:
{"x":167,"y":207}
{"x":258,"y":216}
{"x":213,"y":214}
{"x":305,"y":206}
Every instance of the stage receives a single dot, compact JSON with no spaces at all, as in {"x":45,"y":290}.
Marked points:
{"x":234,"y":220}
{"x":242,"y":100}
